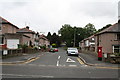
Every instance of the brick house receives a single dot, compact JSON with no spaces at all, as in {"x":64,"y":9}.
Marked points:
{"x":108,"y":39}
{"x":44,"y":41}
{"x":36,"y":40}
{"x":6,"y":27}
{"x":14,"y":39}
{"x":29,"y":33}
{"x":9,"y":39}
{"x":88,"y":44}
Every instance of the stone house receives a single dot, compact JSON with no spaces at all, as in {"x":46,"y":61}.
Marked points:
{"x":108,"y":39}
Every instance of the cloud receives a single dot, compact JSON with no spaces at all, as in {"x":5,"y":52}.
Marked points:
{"x":50,"y":15}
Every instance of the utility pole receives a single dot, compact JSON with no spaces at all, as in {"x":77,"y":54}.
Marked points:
{"x":74,"y":36}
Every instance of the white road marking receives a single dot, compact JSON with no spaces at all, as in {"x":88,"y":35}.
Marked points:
{"x":69,"y":60}
{"x":72,"y":65}
{"x":19,"y":75}
{"x":58,"y":57}
{"x":57,"y":63}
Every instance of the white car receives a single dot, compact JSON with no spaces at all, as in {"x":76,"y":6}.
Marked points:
{"x":72,"y":51}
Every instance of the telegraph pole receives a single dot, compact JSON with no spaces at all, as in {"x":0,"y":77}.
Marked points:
{"x":74,"y":36}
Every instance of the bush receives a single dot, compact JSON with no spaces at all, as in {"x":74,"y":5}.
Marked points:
{"x":24,"y":46}
{"x":43,"y":47}
{"x":54,"y":45}
{"x":117,"y":54}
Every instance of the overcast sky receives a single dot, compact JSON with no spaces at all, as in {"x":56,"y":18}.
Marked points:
{"x":50,"y":15}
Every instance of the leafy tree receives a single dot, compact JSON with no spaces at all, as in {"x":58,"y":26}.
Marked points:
{"x":67,"y":34}
{"x":49,"y":37}
{"x":54,"y":39}
{"x":89,"y":30}
{"x":108,"y":25}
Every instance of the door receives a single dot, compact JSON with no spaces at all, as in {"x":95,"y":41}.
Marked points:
{"x":12,"y":43}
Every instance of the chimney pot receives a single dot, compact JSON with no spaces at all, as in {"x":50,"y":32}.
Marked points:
{"x":27,"y":27}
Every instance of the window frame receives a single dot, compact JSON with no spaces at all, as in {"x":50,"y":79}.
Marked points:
{"x":2,"y":40}
{"x":116,"y":48}
{"x":118,"y":36}
{"x":0,"y":27}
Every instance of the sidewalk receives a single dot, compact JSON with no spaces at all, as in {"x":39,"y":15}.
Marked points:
{"x":22,"y":58}
{"x":93,"y":61}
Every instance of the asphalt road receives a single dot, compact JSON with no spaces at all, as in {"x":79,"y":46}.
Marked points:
{"x":56,"y":65}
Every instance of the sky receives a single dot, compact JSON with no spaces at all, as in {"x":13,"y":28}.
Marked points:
{"x":49,"y":15}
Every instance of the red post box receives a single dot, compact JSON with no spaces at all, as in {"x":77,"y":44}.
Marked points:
{"x":99,"y":53}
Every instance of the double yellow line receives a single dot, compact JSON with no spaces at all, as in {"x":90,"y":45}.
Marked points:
{"x":31,"y":60}
{"x":101,"y":67}
{"x":24,"y":62}
{"x":80,"y":61}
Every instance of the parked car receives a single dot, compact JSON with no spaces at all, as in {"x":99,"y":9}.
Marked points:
{"x":53,"y":50}
{"x":72,"y":51}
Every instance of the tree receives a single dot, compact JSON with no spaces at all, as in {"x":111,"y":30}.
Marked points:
{"x":70,"y":34}
{"x":54,"y":39}
{"x":49,"y":36}
{"x":89,"y":30}
{"x":108,"y":25}
{"x":67,"y":34}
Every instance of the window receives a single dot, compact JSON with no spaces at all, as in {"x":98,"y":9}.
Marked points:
{"x":1,"y":40}
{"x":0,"y":26}
{"x":118,"y":36}
{"x":116,"y":49}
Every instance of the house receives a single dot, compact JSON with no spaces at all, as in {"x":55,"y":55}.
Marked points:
{"x":36,"y":40}
{"x":44,"y":41}
{"x":9,"y":39}
{"x":108,"y":39}
{"x":88,"y":44}
{"x":81,"y":45}
{"x":6,"y":27}
{"x":14,"y":39}
{"x":30,"y":34}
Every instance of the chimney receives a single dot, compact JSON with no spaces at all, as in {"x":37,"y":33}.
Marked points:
{"x":27,"y":27}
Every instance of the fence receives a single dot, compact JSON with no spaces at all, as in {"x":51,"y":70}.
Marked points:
{"x":18,"y":51}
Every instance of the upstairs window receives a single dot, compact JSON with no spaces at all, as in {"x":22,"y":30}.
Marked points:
{"x":0,"y":26}
{"x":118,"y":36}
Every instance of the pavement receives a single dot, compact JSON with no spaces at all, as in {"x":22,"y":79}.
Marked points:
{"x":92,"y":60}
{"x":21,"y":59}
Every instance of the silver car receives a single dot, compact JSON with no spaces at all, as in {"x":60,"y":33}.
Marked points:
{"x":72,"y":51}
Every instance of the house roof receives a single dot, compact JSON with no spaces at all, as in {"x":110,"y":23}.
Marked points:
{"x":25,"y":30}
{"x":112,"y":29}
{"x":13,"y":34}
{"x":43,"y":37}
{"x":4,"y":21}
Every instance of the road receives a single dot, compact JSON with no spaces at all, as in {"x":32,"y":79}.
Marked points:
{"x":56,"y":65}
